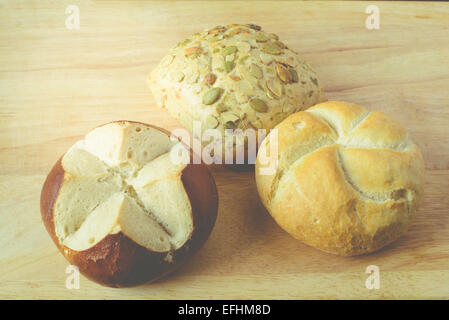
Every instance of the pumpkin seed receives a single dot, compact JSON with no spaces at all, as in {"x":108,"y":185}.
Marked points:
{"x":215,"y":29}
{"x":242,"y":124}
{"x":286,"y":107}
{"x":274,"y":36}
{"x":191,"y":51}
{"x":257,"y":124}
{"x":243,"y":47}
{"x":216,"y":38}
{"x":243,"y":59}
{"x":229,"y":50}
{"x":254,"y":26}
{"x":294,"y":75}
{"x":232,"y":32}
{"x":217,"y":60}
{"x":228,"y":66}
{"x":229,"y":117}
{"x":275,"y":87}
{"x":245,"y":87}
{"x":253,"y":43}
{"x":265,"y":58}
{"x":271,"y":95}
{"x":230,"y":57}
{"x":193,"y":78}
{"x":280,"y":44}
{"x":177,"y":76}
{"x":183,"y":43}
{"x":221,"y":107}
{"x":315,"y":81}
{"x":291,"y":61}
{"x":241,"y":98}
{"x":261,"y":37}
{"x":272,"y":48}
{"x":203,"y":63}
{"x":244,"y":92}
{"x":256,"y":71}
{"x":167,"y":60}
{"x":283,"y":73}
{"x":229,"y":100}
{"x":209,"y":79}
{"x":258,"y":105}
{"x":230,"y":125}
{"x":211,"y":122}
{"x":212,"y":95}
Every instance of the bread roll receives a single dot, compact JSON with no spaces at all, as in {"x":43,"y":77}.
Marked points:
{"x":118,"y":207}
{"x":348,"y":181}
{"x":233,"y":77}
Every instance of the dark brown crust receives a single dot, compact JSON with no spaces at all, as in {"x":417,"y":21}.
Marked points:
{"x":202,"y":192}
{"x":117,"y":261}
{"x":49,"y":194}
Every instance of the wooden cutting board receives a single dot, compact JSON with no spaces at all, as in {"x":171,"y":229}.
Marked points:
{"x":56,"y":84}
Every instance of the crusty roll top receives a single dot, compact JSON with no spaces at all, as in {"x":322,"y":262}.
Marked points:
{"x":348,"y":180}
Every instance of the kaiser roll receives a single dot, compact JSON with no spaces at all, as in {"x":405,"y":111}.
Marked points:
{"x":348,"y":181}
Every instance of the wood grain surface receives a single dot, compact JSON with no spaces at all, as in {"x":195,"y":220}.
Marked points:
{"x":57,"y":84}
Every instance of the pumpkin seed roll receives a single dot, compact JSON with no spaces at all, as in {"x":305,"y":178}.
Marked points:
{"x":233,"y":77}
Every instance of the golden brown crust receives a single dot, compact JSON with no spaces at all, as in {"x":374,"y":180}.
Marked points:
{"x":118,"y":261}
{"x":348,"y":182}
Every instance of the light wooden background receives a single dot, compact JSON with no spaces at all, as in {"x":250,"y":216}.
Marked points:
{"x":57,"y":84}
